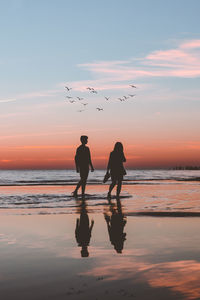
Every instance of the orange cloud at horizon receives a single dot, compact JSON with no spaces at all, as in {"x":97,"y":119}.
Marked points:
{"x":62,"y":156}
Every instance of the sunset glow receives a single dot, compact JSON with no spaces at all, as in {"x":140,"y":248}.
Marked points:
{"x":158,"y":125}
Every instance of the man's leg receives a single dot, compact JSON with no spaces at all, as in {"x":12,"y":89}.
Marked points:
{"x":83,"y":185}
{"x":75,"y":192}
{"x":84,"y":176}
{"x":77,"y":187}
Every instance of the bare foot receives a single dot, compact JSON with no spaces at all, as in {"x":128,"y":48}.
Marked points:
{"x":74,"y":194}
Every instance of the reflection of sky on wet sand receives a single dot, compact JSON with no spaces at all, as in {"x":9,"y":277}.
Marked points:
{"x":160,"y":258}
{"x":178,"y":276}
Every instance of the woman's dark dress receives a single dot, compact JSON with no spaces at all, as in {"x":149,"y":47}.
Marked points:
{"x":115,"y":165}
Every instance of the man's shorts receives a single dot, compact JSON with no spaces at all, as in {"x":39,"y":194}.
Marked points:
{"x":84,"y":173}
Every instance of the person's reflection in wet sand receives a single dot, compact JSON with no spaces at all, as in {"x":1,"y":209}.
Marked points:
{"x":83,"y":229}
{"x":116,"y":222}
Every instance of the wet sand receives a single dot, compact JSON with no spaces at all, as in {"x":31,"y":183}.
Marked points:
{"x":150,"y":198}
{"x":143,"y":257}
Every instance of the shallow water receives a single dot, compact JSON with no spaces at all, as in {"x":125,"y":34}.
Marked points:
{"x":171,"y":198}
{"x":44,"y":191}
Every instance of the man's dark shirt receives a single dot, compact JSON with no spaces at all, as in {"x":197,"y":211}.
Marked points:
{"x":83,"y":158}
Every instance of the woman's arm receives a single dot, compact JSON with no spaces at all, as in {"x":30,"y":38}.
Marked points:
{"x":124,"y":158}
{"x":109,"y":164}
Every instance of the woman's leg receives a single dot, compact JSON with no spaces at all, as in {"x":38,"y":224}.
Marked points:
{"x":83,"y":186}
{"x":119,"y":186}
{"x":112,"y":186}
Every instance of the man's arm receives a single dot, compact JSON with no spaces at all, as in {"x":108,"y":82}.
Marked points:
{"x":77,"y":161}
{"x":90,"y":161}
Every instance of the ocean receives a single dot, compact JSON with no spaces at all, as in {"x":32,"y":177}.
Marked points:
{"x":70,"y":177}
{"x":49,"y":191}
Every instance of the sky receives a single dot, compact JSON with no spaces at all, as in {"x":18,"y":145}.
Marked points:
{"x":106,"y":45}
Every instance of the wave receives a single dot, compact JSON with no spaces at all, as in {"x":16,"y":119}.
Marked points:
{"x":28,"y":201}
{"x":165,"y":213}
{"x":70,"y":177}
{"x":61,"y":203}
{"x":99,"y":182}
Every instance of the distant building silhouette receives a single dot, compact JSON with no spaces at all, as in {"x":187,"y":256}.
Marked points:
{"x":186,"y":168}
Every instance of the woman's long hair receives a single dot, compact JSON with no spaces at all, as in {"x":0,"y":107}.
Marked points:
{"x":118,"y":148}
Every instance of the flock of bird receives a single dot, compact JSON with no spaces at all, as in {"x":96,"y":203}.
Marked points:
{"x":93,"y":91}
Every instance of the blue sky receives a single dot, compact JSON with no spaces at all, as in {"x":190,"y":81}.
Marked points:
{"x":106,"y":44}
{"x":43,"y":41}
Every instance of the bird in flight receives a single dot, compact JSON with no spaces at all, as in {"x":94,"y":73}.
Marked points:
{"x":132,"y":95}
{"x":68,"y":89}
{"x":79,"y":98}
{"x":125,"y":97}
{"x":93,"y":91}
{"x":84,"y":104}
{"x":68,"y":97}
{"x":99,"y":109}
{"x":121,"y":99}
{"x":72,"y":101}
{"x":107,"y":98}
{"x":133,"y":86}
{"x":89,"y":88}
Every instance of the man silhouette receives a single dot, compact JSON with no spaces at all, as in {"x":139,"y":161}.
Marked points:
{"x":82,"y":161}
{"x":83,"y":230}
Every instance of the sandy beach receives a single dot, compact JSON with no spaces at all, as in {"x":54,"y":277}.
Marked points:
{"x":149,"y":258}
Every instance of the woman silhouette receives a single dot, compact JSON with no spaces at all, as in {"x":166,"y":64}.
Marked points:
{"x":116,"y":222}
{"x":116,"y":168}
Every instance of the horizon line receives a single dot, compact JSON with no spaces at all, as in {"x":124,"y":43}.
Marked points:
{"x":103,"y":169}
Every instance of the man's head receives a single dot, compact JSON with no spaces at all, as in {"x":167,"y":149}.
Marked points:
{"x":84,"y":139}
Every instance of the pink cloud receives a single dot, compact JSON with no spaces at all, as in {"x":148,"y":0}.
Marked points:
{"x":191,"y":44}
{"x":105,"y":63}
{"x":7,"y":100}
{"x":182,"y":61}
{"x":110,"y":83}
{"x":168,"y":55}
{"x":38,"y":94}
